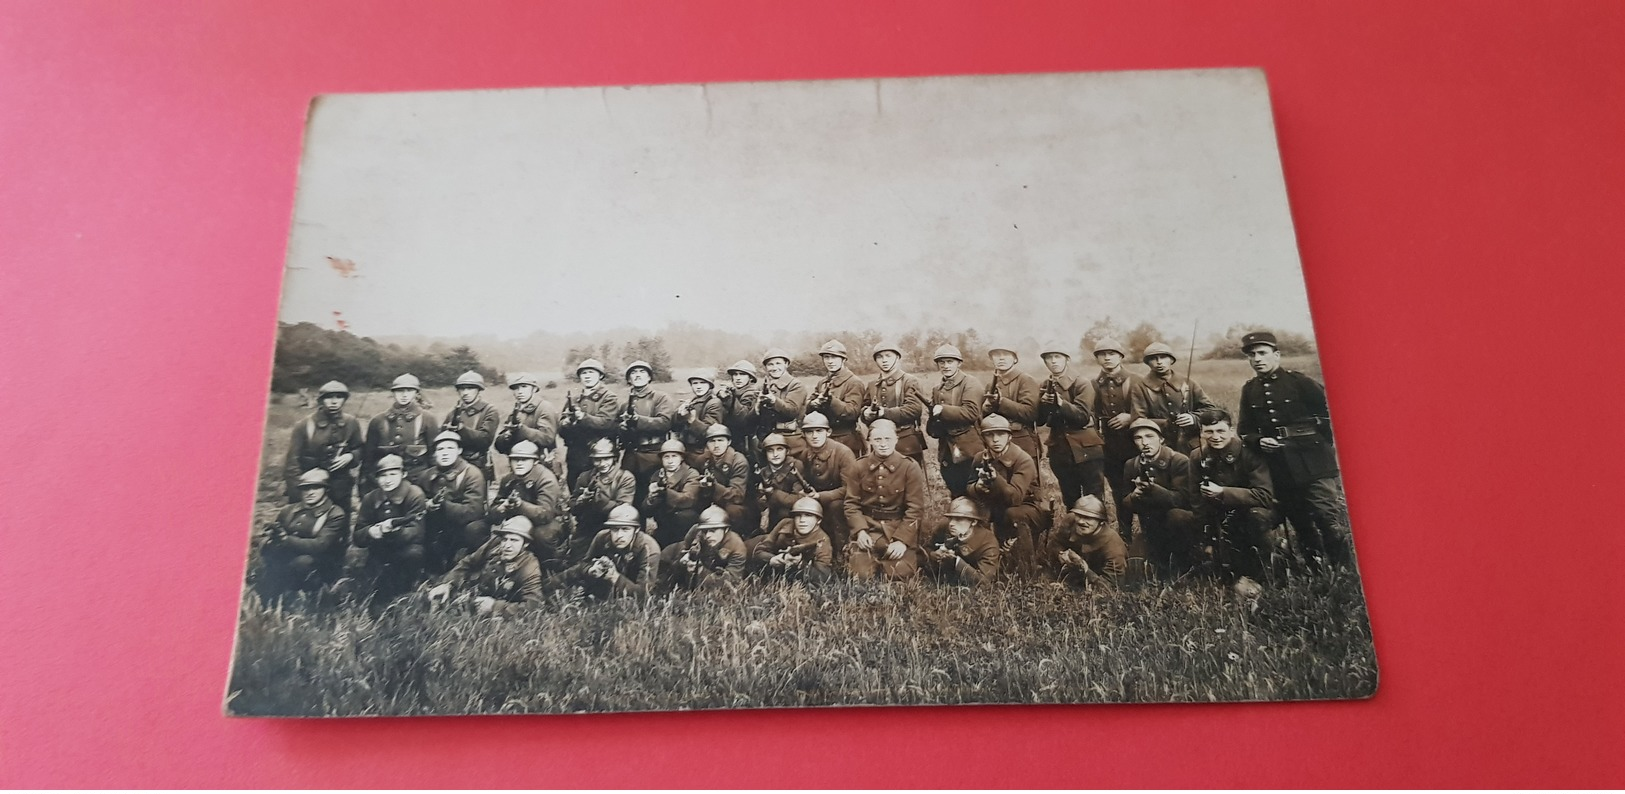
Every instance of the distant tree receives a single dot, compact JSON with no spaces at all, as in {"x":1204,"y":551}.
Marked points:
{"x":652,"y":350}
{"x":1104,"y":329}
{"x":1229,"y":345}
{"x":1138,"y":339}
{"x":308,"y":355}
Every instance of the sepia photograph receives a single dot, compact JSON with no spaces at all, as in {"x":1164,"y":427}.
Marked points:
{"x":904,"y":391}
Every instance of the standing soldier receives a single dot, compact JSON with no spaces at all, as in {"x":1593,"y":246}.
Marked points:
{"x":739,"y":399}
{"x":405,"y":430}
{"x":644,"y":424}
{"x":1119,"y":400}
{"x":1083,"y":549}
{"x":1013,"y":395}
{"x":598,"y":492}
{"x":1172,"y":400}
{"x":389,"y":534}
{"x":1233,"y":498}
{"x":824,"y":463}
{"x":710,"y":555}
{"x":621,"y":561}
{"x":586,"y":419}
{"x":532,"y":491}
{"x":783,"y":402}
{"x":963,"y":551}
{"x":329,"y":439}
{"x":696,"y":415}
{"x":725,"y":480}
{"x":1006,"y":483}
{"x":797,"y":548}
{"x":475,"y":420}
{"x":956,"y":413}
{"x":898,"y":398}
{"x":780,"y":481}
{"x":839,"y":397}
{"x":530,"y":420}
{"x":456,"y":489}
{"x":304,"y":547}
{"x":1284,"y":416}
{"x":1077,"y":453}
{"x":885,"y":502}
{"x":500,"y":579}
{"x":674,"y":499}
{"x":1161,"y":498}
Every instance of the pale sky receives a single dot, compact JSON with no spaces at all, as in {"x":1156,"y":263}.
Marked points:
{"x":1030,"y":205}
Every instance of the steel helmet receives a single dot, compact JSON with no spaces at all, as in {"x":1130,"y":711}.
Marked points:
{"x":602,"y":448}
{"x":1053,"y":346}
{"x":471,"y":378}
{"x":1109,"y":344}
{"x":706,"y":374}
{"x":885,"y":345}
{"x":518,"y":379}
{"x":775,"y":352}
{"x":517,"y":525}
{"x":623,"y":516}
{"x":1157,"y":349}
{"x":947,"y":351}
{"x":833,"y":348}
{"x":715,"y":431}
{"x":333,"y":387}
{"x":965,"y":507}
{"x":808,"y":505}
{"x":315,"y":478}
{"x":994,"y":423}
{"x":815,"y":420}
{"x":449,"y":435}
{"x":525,"y":449}
{"x":672,"y":445}
{"x":743,"y":366}
{"x":774,"y":440}
{"x":1006,"y":348}
{"x":1089,"y":506}
{"x":407,"y":381}
{"x":639,"y":364}
{"x":712,"y":517}
{"x":592,"y":364}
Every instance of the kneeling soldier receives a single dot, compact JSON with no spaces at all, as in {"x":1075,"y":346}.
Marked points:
{"x":963,"y":550}
{"x":598,"y":492}
{"x":456,"y":519}
{"x":622,"y":559}
{"x":304,"y":546}
{"x":389,"y":533}
{"x":885,"y":502}
{"x":779,"y":481}
{"x":1161,"y":498}
{"x":500,"y":579}
{"x":725,"y":478}
{"x":533,"y":492}
{"x":1233,"y":497}
{"x":824,"y":461}
{"x":1006,"y":483}
{"x":1083,"y":549}
{"x":674,"y":496}
{"x":710,"y":555}
{"x":796,"y":548}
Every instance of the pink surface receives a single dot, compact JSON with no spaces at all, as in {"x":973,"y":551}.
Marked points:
{"x":1456,"y":174}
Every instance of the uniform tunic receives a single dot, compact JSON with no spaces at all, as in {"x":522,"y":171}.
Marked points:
{"x":782,"y":407}
{"x":314,"y":444}
{"x":1018,"y":402}
{"x":843,"y":406}
{"x":1013,"y":495}
{"x":1238,"y":520}
{"x":1291,"y":406}
{"x":778,"y":488}
{"x":730,"y":483}
{"x":723,"y":563}
{"x":1171,"y":529}
{"x":458,"y":524}
{"x":824,"y":468}
{"x":692,"y":426}
{"x":956,"y":428}
{"x":536,"y":425}
{"x":739,"y":415}
{"x":539,"y":497}
{"x":651,"y":420}
{"x":408,"y":432}
{"x":1077,"y":451}
{"x":813,"y":550}
{"x":1104,"y":552}
{"x":902,"y":400}
{"x":1117,"y":393}
{"x":304,"y":547}
{"x":477,"y":424}
{"x":674,"y":502}
{"x":638,"y":565}
{"x":1167,"y":398}
{"x":600,"y":411}
{"x":394,"y":560}
{"x":886,"y":498}
{"x":975,"y":561}
{"x":515,"y":584}
{"x":596,"y":494}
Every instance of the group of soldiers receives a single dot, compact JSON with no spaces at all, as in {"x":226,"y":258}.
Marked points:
{"x":758,"y":476}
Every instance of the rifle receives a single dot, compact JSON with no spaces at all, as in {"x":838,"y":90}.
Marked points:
{"x":984,"y":475}
{"x":1049,"y":401}
{"x":871,"y":410}
{"x":568,"y":415}
{"x":509,"y":501}
{"x":796,"y":553}
{"x":801,"y":480}
{"x":991,"y":400}
{"x":629,"y":416}
{"x":820,"y":396}
{"x":584,"y":497}
{"x":439,"y":499}
{"x":511,"y":425}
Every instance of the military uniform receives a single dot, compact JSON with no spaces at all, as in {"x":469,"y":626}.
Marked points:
{"x":955,"y":428}
{"x":730,"y":483}
{"x":1017,"y":401}
{"x":458,"y":525}
{"x":637,"y":564}
{"x":1077,"y":452}
{"x":722,"y":564}
{"x":650,"y":420}
{"x":1167,"y":398}
{"x":477,"y":424}
{"x":901,"y":399}
{"x":824,"y":468}
{"x":840,"y":400}
{"x":315,"y":444}
{"x":1012,"y":496}
{"x":540,"y":498}
{"x":812,"y":553}
{"x":1104,"y":553}
{"x":1239,"y":520}
{"x":595,"y":496}
{"x":533,"y":422}
{"x":778,"y":487}
{"x":674,"y":502}
{"x":407,"y":431}
{"x":600,"y":418}
{"x":516,"y":585}
{"x":1120,"y":392}
{"x":703,"y":412}
{"x":1171,"y":529}
{"x":975,"y":561}
{"x":783,"y":404}
{"x":885,"y":497}
{"x":393,"y":561}
{"x":303,"y":549}
{"x":739,"y":413}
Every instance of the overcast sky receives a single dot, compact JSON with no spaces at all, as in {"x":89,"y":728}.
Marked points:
{"x":1026,"y":205}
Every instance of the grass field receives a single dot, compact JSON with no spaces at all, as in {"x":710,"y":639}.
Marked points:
{"x":786,"y":645}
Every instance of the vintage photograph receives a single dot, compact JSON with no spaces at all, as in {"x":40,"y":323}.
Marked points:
{"x":954,"y":390}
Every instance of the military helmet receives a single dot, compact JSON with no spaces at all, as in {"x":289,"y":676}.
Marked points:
{"x":517,"y":525}
{"x":623,"y":516}
{"x":885,"y":345}
{"x":518,"y":379}
{"x":639,"y":364}
{"x":775,"y":352}
{"x":525,"y":449}
{"x":808,"y":505}
{"x":407,"y":381}
{"x":1143,"y":422}
{"x":315,"y":478}
{"x":1053,"y":346}
{"x":774,"y":440}
{"x":712,"y":517}
{"x":706,"y":374}
{"x":1157,"y":349}
{"x":716,"y":431}
{"x":1006,"y":348}
{"x":672,"y":445}
{"x":814,"y":420}
{"x":592,"y":364}
{"x":994,"y":423}
{"x":390,"y":463}
{"x":471,"y":378}
{"x":833,"y":348}
{"x":1109,"y":344}
{"x":743,"y":366}
{"x":1259,"y":338}
{"x":448,"y":435}
{"x":1089,"y":506}
{"x":965,"y":507}
{"x":947,"y":351}
{"x":332,"y":387}
{"x":602,"y":448}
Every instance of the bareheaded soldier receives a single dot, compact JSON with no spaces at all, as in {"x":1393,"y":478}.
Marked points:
{"x":955,"y":419}
{"x":739,"y":400}
{"x":456,"y":503}
{"x":783,"y":402}
{"x":593,"y":415}
{"x":824,"y":463}
{"x":1172,"y":400}
{"x":1119,"y":400}
{"x":475,"y":420}
{"x":1160,"y":496}
{"x":779,"y":481}
{"x":532,"y":491}
{"x":405,"y":431}
{"x":963,"y":550}
{"x":674,"y":500}
{"x":885,"y":502}
{"x":622,"y":559}
{"x":896,"y":397}
{"x":1005,"y":482}
{"x":1013,"y":395}
{"x":644,"y":424}
{"x":329,"y":439}
{"x":1077,"y":453}
{"x":725,"y":480}
{"x":530,"y":420}
{"x":710,"y":555}
{"x":1233,"y":497}
{"x":389,"y":531}
{"x":839,"y":397}
{"x":598,"y":492}
{"x":696,"y":414}
{"x":499,"y":579}
{"x":303,"y":548}
{"x":797,"y":549}
{"x":1083,"y":549}
{"x":1284,"y":416}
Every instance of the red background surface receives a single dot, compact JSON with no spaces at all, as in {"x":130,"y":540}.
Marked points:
{"x":1455,"y":171}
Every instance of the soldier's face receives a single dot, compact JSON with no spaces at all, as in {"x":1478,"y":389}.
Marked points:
{"x":717,"y":445}
{"x":949,"y":367}
{"x":1162,"y":365}
{"x":391,"y":479}
{"x":776,"y":367}
{"x":1109,"y":359}
{"x":832,"y":363}
{"x":1086,"y":525}
{"x":332,"y":403}
{"x":1216,"y":436}
{"x":887,"y":360}
{"x":445,"y":453}
{"x":671,"y":460}
{"x":521,"y":466}
{"x":740,"y":379}
{"x":311,"y":495}
{"x":700,"y":387}
{"x":998,"y":441}
{"x":523,"y":392}
{"x":816,"y":437}
{"x":621,"y":537}
{"x":1148,"y":441}
{"x":590,"y":378}
{"x":603,"y":464}
{"x":1264,"y":359}
{"x":883,"y":441}
{"x":1055,"y":363}
{"x":1003,"y":360}
{"x":775,"y":455}
{"x":713,"y":536}
{"x":960,"y":527}
{"x":468,"y":394}
{"x":638,"y":378}
{"x":510,"y":546}
{"x":805,"y":523}
{"x":404,"y":397}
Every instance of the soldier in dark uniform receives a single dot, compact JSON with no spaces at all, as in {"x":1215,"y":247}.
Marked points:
{"x":885,"y":503}
{"x":1284,"y":417}
{"x":532,"y":491}
{"x":1077,"y":452}
{"x":674,"y":500}
{"x":1005,"y":482}
{"x":1119,"y":400}
{"x":797,"y":549}
{"x":622,"y":561}
{"x":644,"y":425}
{"x":1160,"y":478}
{"x":405,"y":430}
{"x":1172,"y":400}
{"x":389,"y":535}
{"x":824,"y":463}
{"x":783,"y":402}
{"x":898,"y":398}
{"x":1083,"y":549}
{"x":1233,"y":497}
{"x":456,"y":493}
{"x":475,"y":420}
{"x":963,"y":550}
{"x":739,"y":399}
{"x":725,"y":480}
{"x":710,"y":555}
{"x":532,"y":419}
{"x":1013,"y":395}
{"x":329,"y":439}
{"x":499,"y":579}
{"x":839,"y":397}
{"x":593,"y":415}
{"x":955,"y":419}
{"x":303,"y":548}
{"x":697,"y":414}
{"x":779,"y":481}
{"x":598,"y":492}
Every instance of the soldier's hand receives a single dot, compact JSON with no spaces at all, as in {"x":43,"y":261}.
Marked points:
{"x":376,"y":531}
{"x":993,"y":401}
{"x":896,"y":549}
{"x":439,"y":593}
{"x":778,"y":560}
{"x":1007,"y":545}
{"x":1211,"y":489}
{"x":936,"y":410}
{"x":1071,"y":557}
{"x":864,"y":540}
{"x":1270,"y":444}
{"x":941,"y":554}
{"x":341,"y":462}
{"x":1119,"y":421}
{"x":1185,"y":420}
{"x":483,"y":606}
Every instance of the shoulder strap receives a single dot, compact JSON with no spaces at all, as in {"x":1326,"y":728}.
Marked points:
{"x":321,"y":521}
